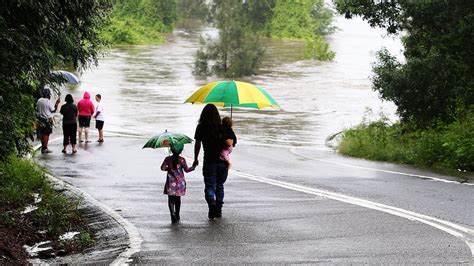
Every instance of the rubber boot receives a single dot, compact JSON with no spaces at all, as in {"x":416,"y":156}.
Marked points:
{"x":177,"y":207}
{"x":212,"y":211}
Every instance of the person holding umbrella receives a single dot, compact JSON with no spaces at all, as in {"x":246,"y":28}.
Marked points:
{"x":44,"y":112}
{"x":208,"y":135}
{"x":175,"y":185}
{"x":175,"y":166}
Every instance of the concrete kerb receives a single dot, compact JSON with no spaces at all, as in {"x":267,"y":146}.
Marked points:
{"x":111,"y":248}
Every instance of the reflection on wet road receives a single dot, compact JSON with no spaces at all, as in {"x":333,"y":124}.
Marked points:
{"x":143,"y":89}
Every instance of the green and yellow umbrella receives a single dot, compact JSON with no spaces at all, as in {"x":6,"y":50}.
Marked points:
{"x":233,"y":94}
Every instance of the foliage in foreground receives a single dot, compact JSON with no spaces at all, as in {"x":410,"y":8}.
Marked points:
{"x":448,"y":146}
{"x":436,"y":83}
{"x":36,"y":37}
{"x":21,"y":181}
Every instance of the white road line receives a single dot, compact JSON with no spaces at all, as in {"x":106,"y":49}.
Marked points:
{"x":293,"y":150}
{"x":133,"y":233}
{"x":461,"y":232}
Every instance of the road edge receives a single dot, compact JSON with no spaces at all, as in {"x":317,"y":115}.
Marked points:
{"x":134,"y":240}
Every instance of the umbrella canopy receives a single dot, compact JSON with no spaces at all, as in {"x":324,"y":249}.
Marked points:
{"x":69,"y":77}
{"x":233,"y":94}
{"x":168,"y":139}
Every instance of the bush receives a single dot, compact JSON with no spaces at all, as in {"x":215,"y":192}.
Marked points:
{"x":20,"y":180}
{"x":444,"y":147}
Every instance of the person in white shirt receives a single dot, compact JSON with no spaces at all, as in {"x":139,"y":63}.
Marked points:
{"x":44,"y":113}
{"x":99,"y":117}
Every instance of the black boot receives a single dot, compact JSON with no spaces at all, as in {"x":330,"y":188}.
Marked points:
{"x":171,"y":206}
{"x":173,"y":218}
{"x":177,"y":207}
{"x":218,"y":213}
{"x":212,"y":211}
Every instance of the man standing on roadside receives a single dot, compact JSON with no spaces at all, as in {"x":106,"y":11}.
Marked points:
{"x":99,"y":117}
{"x":44,"y":112}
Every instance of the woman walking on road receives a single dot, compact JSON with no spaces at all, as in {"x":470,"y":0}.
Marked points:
{"x":208,"y":133}
{"x":69,"y":112}
{"x":86,"y":110}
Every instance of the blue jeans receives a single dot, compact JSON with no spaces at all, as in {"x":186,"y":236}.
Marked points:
{"x":215,"y":175}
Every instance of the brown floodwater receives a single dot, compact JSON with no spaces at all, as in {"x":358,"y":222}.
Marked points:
{"x":144,"y":87}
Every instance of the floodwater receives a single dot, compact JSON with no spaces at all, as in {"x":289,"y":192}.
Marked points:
{"x":144,"y":87}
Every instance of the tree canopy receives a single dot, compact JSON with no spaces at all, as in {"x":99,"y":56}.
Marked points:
{"x":238,"y":51}
{"x":140,"y":21}
{"x":35,"y":37}
{"x":436,"y":83}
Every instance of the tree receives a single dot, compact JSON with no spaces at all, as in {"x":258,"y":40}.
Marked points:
{"x":140,"y":21}
{"x":436,"y":84}
{"x":36,"y":36}
{"x":308,"y":20}
{"x":237,"y":52}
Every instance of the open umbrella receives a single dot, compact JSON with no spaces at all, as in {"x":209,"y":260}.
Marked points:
{"x":167,"y":139}
{"x":63,"y":75}
{"x":233,"y":94}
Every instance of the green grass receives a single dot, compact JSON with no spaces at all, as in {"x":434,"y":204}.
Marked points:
{"x":56,"y":213}
{"x":446,"y":147}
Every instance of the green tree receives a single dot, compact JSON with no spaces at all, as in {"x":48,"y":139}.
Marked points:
{"x":436,"y":83}
{"x":308,"y":20}
{"x":237,"y":52}
{"x":36,"y":36}
{"x":192,"y":9}
{"x":140,"y":21}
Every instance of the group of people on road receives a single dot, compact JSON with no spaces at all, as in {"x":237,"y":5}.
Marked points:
{"x":217,"y":139}
{"x":72,"y":114}
{"x":215,"y":136}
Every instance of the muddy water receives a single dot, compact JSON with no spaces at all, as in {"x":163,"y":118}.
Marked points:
{"x":144,"y":87}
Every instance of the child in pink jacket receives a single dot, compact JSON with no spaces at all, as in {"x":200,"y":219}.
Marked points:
{"x":85,"y":108}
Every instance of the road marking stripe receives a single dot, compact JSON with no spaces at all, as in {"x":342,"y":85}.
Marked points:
{"x":293,"y":150}
{"x":463,"y":233}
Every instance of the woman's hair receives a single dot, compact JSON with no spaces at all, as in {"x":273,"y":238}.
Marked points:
{"x":211,"y":119}
{"x":227,"y":122}
{"x":69,"y":98}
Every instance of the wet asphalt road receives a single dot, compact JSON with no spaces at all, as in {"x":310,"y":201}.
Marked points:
{"x":264,"y":223}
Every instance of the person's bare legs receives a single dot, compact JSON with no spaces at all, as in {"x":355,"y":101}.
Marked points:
{"x":64,"y":149}
{"x":73,"y":148}
{"x":101,"y":134}
{"x":87,"y":134}
{"x":44,"y":142}
{"x":80,"y":134}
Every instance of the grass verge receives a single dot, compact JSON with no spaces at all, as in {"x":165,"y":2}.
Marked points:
{"x":446,"y":147}
{"x":32,"y":210}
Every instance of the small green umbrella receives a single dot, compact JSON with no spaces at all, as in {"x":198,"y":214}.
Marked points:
{"x":168,"y":140}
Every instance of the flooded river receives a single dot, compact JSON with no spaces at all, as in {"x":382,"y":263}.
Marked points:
{"x":144,"y":87}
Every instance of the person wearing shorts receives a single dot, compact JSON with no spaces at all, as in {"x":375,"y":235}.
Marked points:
{"x":99,"y":117}
{"x":85,"y":107}
{"x":44,"y":113}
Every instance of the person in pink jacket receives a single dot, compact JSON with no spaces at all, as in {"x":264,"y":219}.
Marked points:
{"x":85,"y":108}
